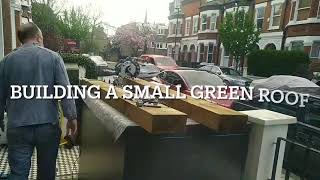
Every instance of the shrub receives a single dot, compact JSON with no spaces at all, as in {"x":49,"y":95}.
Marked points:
{"x":81,"y":61}
{"x":272,"y":62}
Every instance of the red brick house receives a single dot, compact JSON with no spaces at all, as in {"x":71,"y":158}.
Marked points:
{"x":12,"y":14}
{"x":285,"y":24}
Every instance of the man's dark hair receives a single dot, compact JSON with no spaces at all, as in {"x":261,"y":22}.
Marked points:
{"x":27,"y":31}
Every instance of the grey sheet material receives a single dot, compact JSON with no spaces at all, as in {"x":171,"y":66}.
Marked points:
{"x":112,"y":119}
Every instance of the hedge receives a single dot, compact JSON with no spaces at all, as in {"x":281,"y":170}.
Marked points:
{"x":272,"y":62}
{"x":86,"y":62}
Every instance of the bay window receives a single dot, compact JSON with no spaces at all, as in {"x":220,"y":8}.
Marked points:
{"x":187,"y":31}
{"x":297,"y":46}
{"x":201,"y":52}
{"x":260,"y":17}
{"x":203,"y":22}
{"x":210,"y":53}
{"x":315,"y":50}
{"x":213,"y":21}
{"x":303,"y":9}
{"x":276,"y":15}
{"x":195,"y":24}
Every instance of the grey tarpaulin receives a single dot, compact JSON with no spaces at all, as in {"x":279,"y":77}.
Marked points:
{"x":112,"y":119}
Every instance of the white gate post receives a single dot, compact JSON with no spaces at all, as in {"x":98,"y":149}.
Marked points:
{"x":267,"y":126}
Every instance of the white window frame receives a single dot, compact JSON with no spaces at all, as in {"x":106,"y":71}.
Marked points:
{"x":291,"y":43}
{"x":205,"y":22}
{"x":179,"y":28}
{"x":188,"y":26}
{"x":312,"y":49}
{"x":195,"y":25}
{"x":161,"y":31}
{"x":273,"y":16}
{"x":256,"y":16}
{"x":297,"y":9}
{"x":319,"y":11}
{"x":212,"y":53}
{"x":213,"y":20}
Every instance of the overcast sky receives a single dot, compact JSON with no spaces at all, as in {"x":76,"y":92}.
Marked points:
{"x":119,"y":12}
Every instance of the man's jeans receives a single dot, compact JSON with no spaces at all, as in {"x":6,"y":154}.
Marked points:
{"x":21,"y":143}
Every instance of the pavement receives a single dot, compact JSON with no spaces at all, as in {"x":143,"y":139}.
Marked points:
{"x":67,"y":163}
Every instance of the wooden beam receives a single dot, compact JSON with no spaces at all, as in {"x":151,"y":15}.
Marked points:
{"x":153,"y":120}
{"x":206,"y":113}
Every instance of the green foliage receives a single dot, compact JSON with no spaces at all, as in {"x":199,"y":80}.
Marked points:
{"x":81,"y":61}
{"x":238,"y":34}
{"x":272,"y":62}
{"x":75,"y":24}
{"x":45,"y":18}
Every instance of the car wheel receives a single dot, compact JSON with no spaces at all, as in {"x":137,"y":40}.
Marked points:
{"x":226,"y":82}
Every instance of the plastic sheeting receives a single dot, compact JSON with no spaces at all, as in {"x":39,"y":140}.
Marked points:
{"x":112,"y":119}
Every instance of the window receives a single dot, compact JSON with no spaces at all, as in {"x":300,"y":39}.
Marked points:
{"x":276,"y":14}
{"x":201,"y":58}
{"x":172,"y":28}
{"x":213,"y":21}
{"x":195,"y":25}
{"x":319,"y":11}
{"x":179,"y":27}
{"x":210,"y":53}
{"x":161,"y":31}
{"x":303,"y":9}
{"x":187,"y":32}
{"x":260,"y":17}
{"x":297,"y":45}
{"x":315,"y":50}
{"x":203,"y":22}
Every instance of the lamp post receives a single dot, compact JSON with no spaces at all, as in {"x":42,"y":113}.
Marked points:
{"x":176,"y":33}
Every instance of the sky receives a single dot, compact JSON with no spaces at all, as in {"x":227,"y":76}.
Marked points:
{"x":119,"y":12}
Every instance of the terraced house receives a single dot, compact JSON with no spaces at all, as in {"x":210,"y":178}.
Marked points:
{"x":284,"y":24}
{"x":12,"y":14}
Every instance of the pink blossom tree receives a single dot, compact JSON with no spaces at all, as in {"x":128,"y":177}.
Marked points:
{"x":134,"y":38}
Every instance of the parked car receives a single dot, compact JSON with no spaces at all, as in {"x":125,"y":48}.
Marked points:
{"x":148,"y":71}
{"x":188,"y":78}
{"x":310,"y":114}
{"x":204,"y":64}
{"x":230,"y":76}
{"x":162,"y":62}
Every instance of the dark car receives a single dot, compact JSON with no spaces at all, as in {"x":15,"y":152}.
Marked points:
{"x":310,"y":114}
{"x":230,"y":76}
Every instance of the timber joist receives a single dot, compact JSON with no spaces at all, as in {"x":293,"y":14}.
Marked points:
{"x":206,"y":113}
{"x":154,"y":120}
{"x":173,"y":114}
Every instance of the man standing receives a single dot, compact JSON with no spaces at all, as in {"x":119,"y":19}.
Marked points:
{"x":33,"y":123}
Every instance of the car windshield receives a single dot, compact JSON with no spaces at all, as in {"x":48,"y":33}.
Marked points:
{"x":229,"y":71}
{"x":164,"y":61}
{"x":201,"y":78}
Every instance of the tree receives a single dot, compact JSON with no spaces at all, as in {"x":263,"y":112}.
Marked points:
{"x":133,"y":37}
{"x":239,"y":35}
{"x":44,"y":15}
{"x":75,"y":24}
